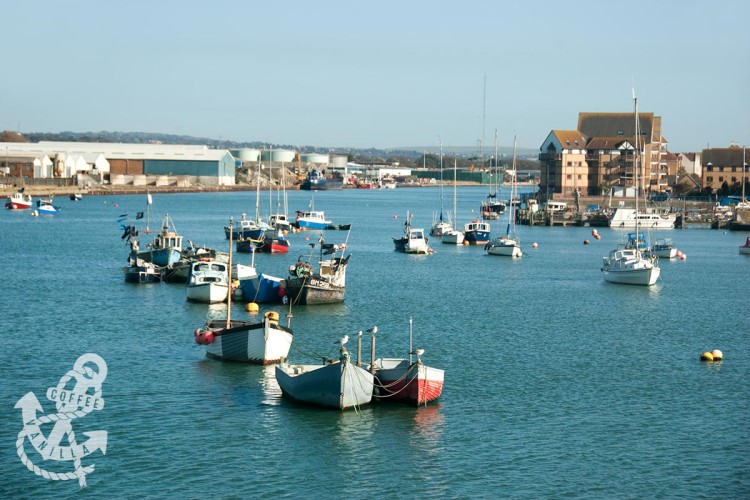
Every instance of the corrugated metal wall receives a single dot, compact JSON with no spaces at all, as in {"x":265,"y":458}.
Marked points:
{"x":126,"y":167}
{"x":181,"y":167}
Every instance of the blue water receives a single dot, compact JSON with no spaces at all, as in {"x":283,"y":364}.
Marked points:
{"x":557,"y":383}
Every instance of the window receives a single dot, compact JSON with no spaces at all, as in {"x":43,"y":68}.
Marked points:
{"x":570,"y":163}
{"x":569,"y":177}
{"x":710,"y":180}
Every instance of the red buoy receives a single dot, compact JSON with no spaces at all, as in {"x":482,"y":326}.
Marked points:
{"x":208,"y":337}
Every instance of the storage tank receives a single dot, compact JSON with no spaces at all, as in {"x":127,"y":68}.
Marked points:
{"x":246,"y":154}
{"x":281,"y":155}
{"x":315,"y":158}
{"x":340,"y":161}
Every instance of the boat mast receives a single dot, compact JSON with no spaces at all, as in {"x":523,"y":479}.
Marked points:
{"x":497,"y":171}
{"x":229,"y":274}
{"x":455,"y":210}
{"x":270,"y":185}
{"x":257,"y":193}
{"x":636,"y":165}
{"x":441,"y":180}
{"x":512,"y":211}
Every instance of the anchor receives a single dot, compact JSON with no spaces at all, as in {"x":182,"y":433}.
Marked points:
{"x":71,"y":404}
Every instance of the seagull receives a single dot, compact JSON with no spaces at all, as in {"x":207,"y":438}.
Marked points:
{"x":343,"y":340}
{"x":419,"y":353}
{"x":373,"y":330}
{"x":359,"y":334}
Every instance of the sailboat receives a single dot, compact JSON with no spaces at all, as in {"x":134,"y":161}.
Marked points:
{"x":440,"y":226}
{"x":493,"y":207}
{"x":454,"y":236}
{"x":741,"y":217}
{"x":628,"y":264}
{"x":265,"y":342}
{"x":508,"y":245}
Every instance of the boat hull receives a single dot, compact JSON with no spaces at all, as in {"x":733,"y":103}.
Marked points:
{"x":263,"y":289}
{"x":628,"y":218}
{"x":504,"y":247}
{"x":477,"y":237}
{"x":340,"y":385}
{"x":141,"y":274}
{"x":414,"y":383}
{"x":312,"y":290}
{"x":209,"y":293}
{"x":454,"y":237}
{"x":163,"y":257}
{"x":263,"y":343}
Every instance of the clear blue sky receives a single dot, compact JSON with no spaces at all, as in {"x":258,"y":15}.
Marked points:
{"x":375,"y":74}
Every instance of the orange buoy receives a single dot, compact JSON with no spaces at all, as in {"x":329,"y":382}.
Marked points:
{"x":534,"y":245}
{"x":593,"y":232}
{"x":598,"y":236}
{"x":466,"y":243}
{"x":208,"y":337}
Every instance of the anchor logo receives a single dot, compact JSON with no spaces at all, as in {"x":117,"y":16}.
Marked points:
{"x":71,"y":403}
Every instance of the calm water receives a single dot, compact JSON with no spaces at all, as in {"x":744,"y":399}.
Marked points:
{"x":557,"y":383}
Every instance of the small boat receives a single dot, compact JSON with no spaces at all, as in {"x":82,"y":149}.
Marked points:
{"x":312,"y":220}
{"x":179,"y":272}
{"x":274,"y":242}
{"x":664,"y":248}
{"x":508,"y":245}
{"x":259,"y":288}
{"x":247,"y":230}
{"x":208,"y":281}
{"x":477,"y":232}
{"x":327,"y":286}
{"x":140,"y":271}
{"x":413,"y":240}
{"x":166,"y":249}
{"x":453,"y":237}
{"x":45,"y":207}
{"x":338,"y":384}
{"x":745,"y":249}
{"x":493,"y":208}
{"x":261,"y":343}
{"x":19,"y":200}
{"x":405,"y":380}
{"x":76,"y":197}
{"x":440,"y":226}
{"x":280,"y":222}
{"x":633,"y":264}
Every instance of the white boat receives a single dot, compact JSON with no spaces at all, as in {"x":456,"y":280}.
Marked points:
{"x":454,"y":236}
{"x":208,"y":281}
{"x":338,"y":384}
{"x":508,"y":245}
{"x":413,"y":240}
{"x":664,"y":248}
{"x":745,"y":249}
{"x":313,"y":219}
{"x":628,"y":218}
{"x":140,"y":271}
{"x":264,"y":343}
{"x":440,"y":226}
{"x":406,"y":380}
{"x":493,"y":208}
{"x":19,"y":200}
{"x":45,"y":207}
{"x":628,"y":264}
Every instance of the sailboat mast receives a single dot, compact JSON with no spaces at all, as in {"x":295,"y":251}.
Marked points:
{"x":229,"y":275}
{"x":512,"y":211}
{"x":497,"y":172}
{"x":636,"y":163}
{"x":270,"y":185}
{"x":455,"y":210}
{"x":441,"y":180}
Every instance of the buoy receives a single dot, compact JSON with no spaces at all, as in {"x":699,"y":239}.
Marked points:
{"x":678,"y":254}
{"x":208,"y":337}
{"x":197,"y":332}
{"x":707,"y":356}
{"x":534,"y":245}
{"x":395,"y":216}
{"x":598,"y":236}
{"x":586,"y":242}
{"x":251,"y":307}
{"x":281,"y":292}
{"x":717,"y":355}
{"x":593,"y":233}
{"x":683,"y":257}
{"x":199,"y":339}
{"x":237,"y":294}
{"x":466,"y":243}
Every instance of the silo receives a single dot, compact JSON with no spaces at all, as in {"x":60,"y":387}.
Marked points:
{"x":280,"y":155}
{"x":340,"y":161}
{"x":246,"y":154}
{"x":322,"y":159}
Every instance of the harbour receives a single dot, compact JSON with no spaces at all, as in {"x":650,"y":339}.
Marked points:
{"x":556,"y":382}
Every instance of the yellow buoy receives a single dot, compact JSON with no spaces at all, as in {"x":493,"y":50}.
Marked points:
{"x":707,"y":356}
{"x":717,"y":355}
{"x":252,"y":307}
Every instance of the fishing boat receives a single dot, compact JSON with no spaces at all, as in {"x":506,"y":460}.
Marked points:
{"x":274,"y":242}
{"x":336,"y":384}
{"x":664,"y":248}
{"x":440,"y":226}
{"x":180,"y":270}
{"x":208,"y":281}
{"x":166,"y":249}
{"x":19,"y":200}
{"x":265,"y":342}
{"x":140,"y":271}
{"x":280,"y":222}
{"x":406,"y":380}
{"x":246,"y":229}
{"x":477,"y":232}
{"x":327,"y":285}
{"x":316,"y":180}
{"x":258,"y":287}
{"x":629,"y":264}
{"x":745,"y":249}
{"x":508,"y":245}
{"x":312,"y":220}
{"x":413,"y":240}
{"x":45,"y":207}
{"x":76,"y":197}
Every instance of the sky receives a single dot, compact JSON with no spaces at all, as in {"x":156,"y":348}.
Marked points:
{"x":387,"y":74}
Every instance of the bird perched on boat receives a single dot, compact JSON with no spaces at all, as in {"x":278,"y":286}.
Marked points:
{"x":359,"y":334}
{"x":342,"y":340}
{"x":373,"y":330}
{"x":419,"y":353}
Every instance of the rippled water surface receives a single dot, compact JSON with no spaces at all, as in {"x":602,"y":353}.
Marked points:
{"x":557,"y":383}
